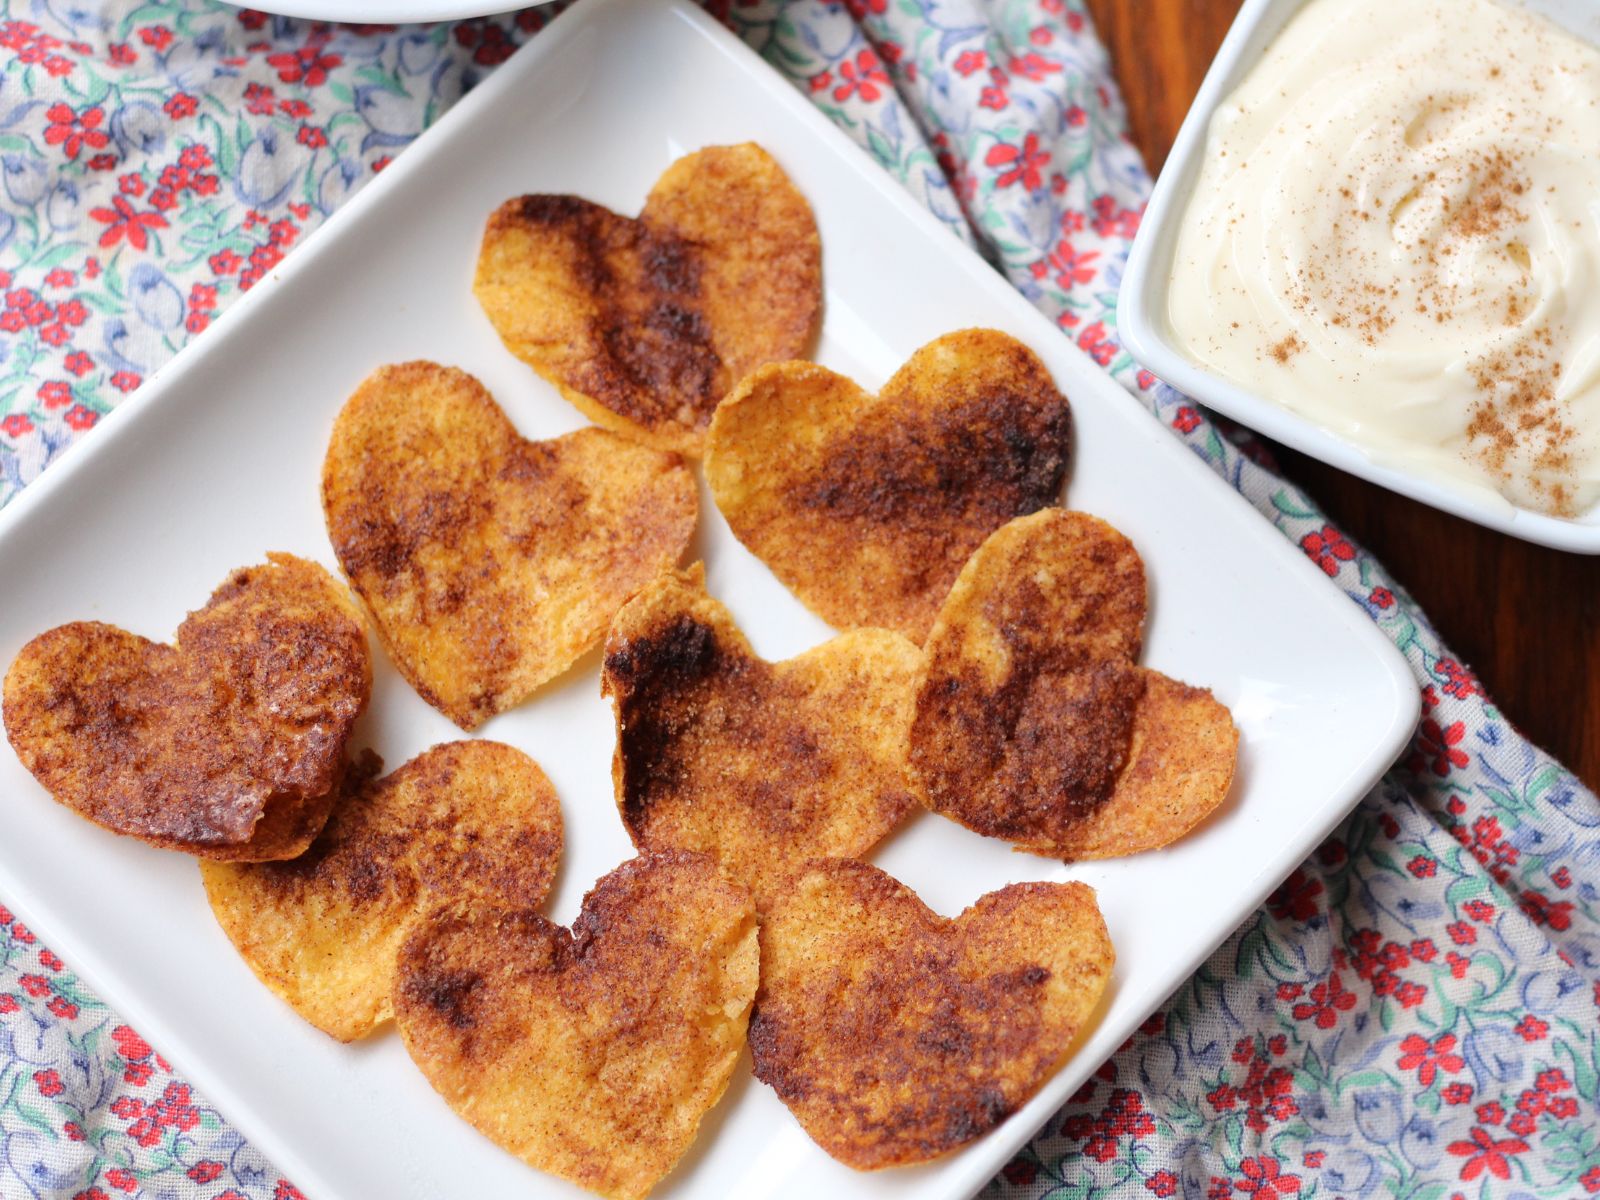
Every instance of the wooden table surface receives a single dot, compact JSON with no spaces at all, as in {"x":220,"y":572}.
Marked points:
{"x":1524,"y":618}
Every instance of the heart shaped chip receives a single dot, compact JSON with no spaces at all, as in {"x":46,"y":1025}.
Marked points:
{"x":1032,"y":723}
{"x":464,"y":823}
{"x":490,"y":563}
{"x":646,"y":323}
{"x":867,"y":507}
{"x":895,"y":1035}
{"x":226,"y":744}
{"x":762,"y":764}
{"x":591,"y":1054}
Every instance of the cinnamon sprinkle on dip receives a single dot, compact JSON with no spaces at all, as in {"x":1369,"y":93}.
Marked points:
{"x":1412,"y":259}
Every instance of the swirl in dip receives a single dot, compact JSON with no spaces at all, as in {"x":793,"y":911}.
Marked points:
{"x":1396,"y":233}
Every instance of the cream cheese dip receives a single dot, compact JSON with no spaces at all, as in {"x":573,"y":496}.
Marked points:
{"x":1396,"y":233}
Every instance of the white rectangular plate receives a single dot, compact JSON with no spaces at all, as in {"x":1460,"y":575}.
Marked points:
{"x":216,"y":462}
{"x":1147,"y":332}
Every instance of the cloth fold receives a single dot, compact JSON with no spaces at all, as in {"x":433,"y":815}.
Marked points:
{"x":1415,"y":1011}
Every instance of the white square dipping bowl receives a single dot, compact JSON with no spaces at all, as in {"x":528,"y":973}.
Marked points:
{"x":1142,"y":302}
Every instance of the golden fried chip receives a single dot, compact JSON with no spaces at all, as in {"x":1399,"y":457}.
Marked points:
{"x":591,"y":1054}
{"x":226,"y":744}
{"x":867,"y":507}
{"x":1180,"y":764}
{"x":1032,"y":722}
{"x":646,"y":323}
{"x":491,"y":563}
{"x":762,"y":764}
{"x":895,"y":1035}
{"x":464,"y":823}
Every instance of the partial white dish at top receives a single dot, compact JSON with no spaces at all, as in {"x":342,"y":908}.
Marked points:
{"x":1410,"y":373}
{"x":385,"y":12}
{"x":216,"y":461}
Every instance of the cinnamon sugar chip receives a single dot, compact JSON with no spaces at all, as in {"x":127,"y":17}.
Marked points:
{"x":593,"y":1053}
{"x":490,"y":564}
{"x":1032,"y":722}
{"x":646,"y":323}
{"x":867,"y":507}
{"x":466,"y":823}
{"x":1180,"y":762}
{"x":227,"y":743}
{"x":895,"y":1035}
{"x":761,"y":764}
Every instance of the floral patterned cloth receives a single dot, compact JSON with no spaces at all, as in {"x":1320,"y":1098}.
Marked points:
{"x":1414,"y":1014}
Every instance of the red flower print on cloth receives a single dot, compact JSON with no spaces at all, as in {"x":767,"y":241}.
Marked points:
{"x":1436,"y":748}
{"x":49,"y":1083}
{"x":1458,"y":681}
{"x":1033,"y":66}
{"x":1024,"y":163}
{"x":129,"y":1044}
{"x":122,"y":221}
{"x":260,"y":99}
{"x":1020,"y":1172}
{"x":1328,"y":548}
{"x":1296,"y":897}
{"x":1326,"y":1002}
{"x":1263,"y":1179}
{"x":308,"y":65}
{"x":1542,"y":910}
{"x":1427,"y":1059}
{"x":489,"y":43}
{"x":1532,"y":1029}
{"x":72,"y":131}
{"x":1071,"y":267}
{"x":1123,"y":1115}
{"x":1266,"y":1094}
{"x":864,"y":77}
{"x":1097,"y":344}
{"x":1485,"y":1154}
{"x":861,"y":9}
